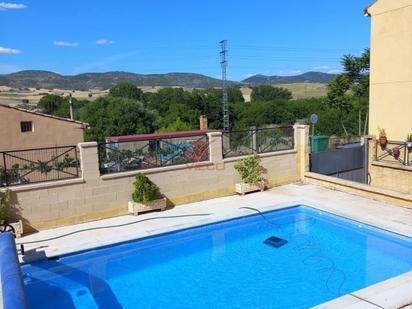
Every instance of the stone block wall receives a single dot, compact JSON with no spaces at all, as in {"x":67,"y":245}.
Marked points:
{"x":93,"y":196}
{"x":388,"y":175}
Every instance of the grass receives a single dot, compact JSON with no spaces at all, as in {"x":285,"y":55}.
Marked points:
{"x":299,"y":90}
{"x":305,"y":90}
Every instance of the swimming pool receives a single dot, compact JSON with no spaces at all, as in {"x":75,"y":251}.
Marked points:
{"x":226,"y":264}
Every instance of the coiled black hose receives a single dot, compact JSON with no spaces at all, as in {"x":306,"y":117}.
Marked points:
{"x":312,"y":251}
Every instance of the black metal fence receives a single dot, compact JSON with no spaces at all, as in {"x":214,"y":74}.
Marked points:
{"x":26,"y":166}
{"x":394,"y":152}
{"x":115,"y":157}
{"x":254,"y":141}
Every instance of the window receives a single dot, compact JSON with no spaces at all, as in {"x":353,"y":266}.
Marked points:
{"x":26,"y":126}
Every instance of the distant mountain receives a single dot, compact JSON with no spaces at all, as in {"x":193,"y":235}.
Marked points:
{"x":86,"y":81}
{"x":309,"y":77}
{"x":50,"y":80}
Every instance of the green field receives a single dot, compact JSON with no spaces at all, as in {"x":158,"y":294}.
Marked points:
{"x":299,"y":90}
{"x":305,"y":90}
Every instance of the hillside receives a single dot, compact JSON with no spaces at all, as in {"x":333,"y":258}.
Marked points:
{"x":87,"y":81}
{"x":309,"y":77}
{"x":50,"y":80}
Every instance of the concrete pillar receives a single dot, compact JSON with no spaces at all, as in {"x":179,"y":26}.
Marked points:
{"x":215,"y":147}
{"x":301,"y":134}
{"x":89,"y":160}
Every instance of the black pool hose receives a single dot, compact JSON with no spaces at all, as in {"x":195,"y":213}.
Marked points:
{"x":110,"y":226}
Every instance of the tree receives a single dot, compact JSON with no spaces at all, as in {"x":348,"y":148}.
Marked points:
{"x":350,"y":90}
{"x":171,"y":103}
{"x":127,"y":91}
{"x":64,"y":108}
{"x":49,"y":103}
{"x":165,"y":97}
{"x":108,"y":116}
{"x":177,"y":125}
{"x":269,"y":93}
{"x":59,"y":106}
{"x":184,"y":112}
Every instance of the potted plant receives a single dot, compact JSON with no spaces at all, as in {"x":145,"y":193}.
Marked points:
{"x":145,"y":196}
{"x":396,"y":152}
{"x":5,"y":225}
{"x":383,"y":140}
{"x":250,"y":171}
{"x":409,"y":142}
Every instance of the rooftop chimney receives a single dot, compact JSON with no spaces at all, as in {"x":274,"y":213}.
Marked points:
{"x":203,"y":122}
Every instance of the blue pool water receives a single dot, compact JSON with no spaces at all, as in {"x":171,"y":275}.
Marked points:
{"x":226,"y":265}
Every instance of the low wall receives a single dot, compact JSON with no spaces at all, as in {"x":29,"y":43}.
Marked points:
{"x":372,"y":192}
{"x":388,"y":175}
{"x":94,"y":196}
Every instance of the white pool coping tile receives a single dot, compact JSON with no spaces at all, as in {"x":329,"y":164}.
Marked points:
{"x":348,"y":302}
{"x":388,"y":294}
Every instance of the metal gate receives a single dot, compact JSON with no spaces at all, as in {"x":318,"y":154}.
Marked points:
{"x":345,"y":162}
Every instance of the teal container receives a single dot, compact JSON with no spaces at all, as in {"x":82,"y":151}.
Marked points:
{"x":320,"y":143}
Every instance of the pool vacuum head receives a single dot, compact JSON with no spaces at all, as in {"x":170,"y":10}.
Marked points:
{"x":275,"y":242}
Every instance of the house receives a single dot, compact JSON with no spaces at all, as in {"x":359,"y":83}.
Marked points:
{"x":24,"y":129}
{"x":391,"y":68}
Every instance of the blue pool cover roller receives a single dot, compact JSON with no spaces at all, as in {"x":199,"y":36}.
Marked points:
{"x":10,"y":274}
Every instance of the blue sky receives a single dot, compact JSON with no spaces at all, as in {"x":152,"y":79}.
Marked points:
{"x":271,"y":37}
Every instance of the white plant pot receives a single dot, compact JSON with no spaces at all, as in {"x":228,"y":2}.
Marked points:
{"x":135,"y":208}
{"x":243,"y":188}
{"x":18,"y":228}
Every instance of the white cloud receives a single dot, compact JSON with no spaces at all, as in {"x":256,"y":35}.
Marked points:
{"x":9,"y":51}
{"x":11,"y":6}
{"x":104,"y":42}
{"x":66,"y":44}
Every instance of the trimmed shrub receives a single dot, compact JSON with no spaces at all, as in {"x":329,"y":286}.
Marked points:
{"x":144,"y":189}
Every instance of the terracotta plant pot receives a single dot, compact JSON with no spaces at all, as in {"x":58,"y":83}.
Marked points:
{"x":383,"y":141}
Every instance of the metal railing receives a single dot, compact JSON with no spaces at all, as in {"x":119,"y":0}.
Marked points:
{"x":394,"y":152}
{"x":116,"y":157}
{"x":19,"y":167}
{"x":255,"y":141}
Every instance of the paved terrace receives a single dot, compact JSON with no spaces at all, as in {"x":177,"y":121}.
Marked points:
{"x":393,"y":293}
